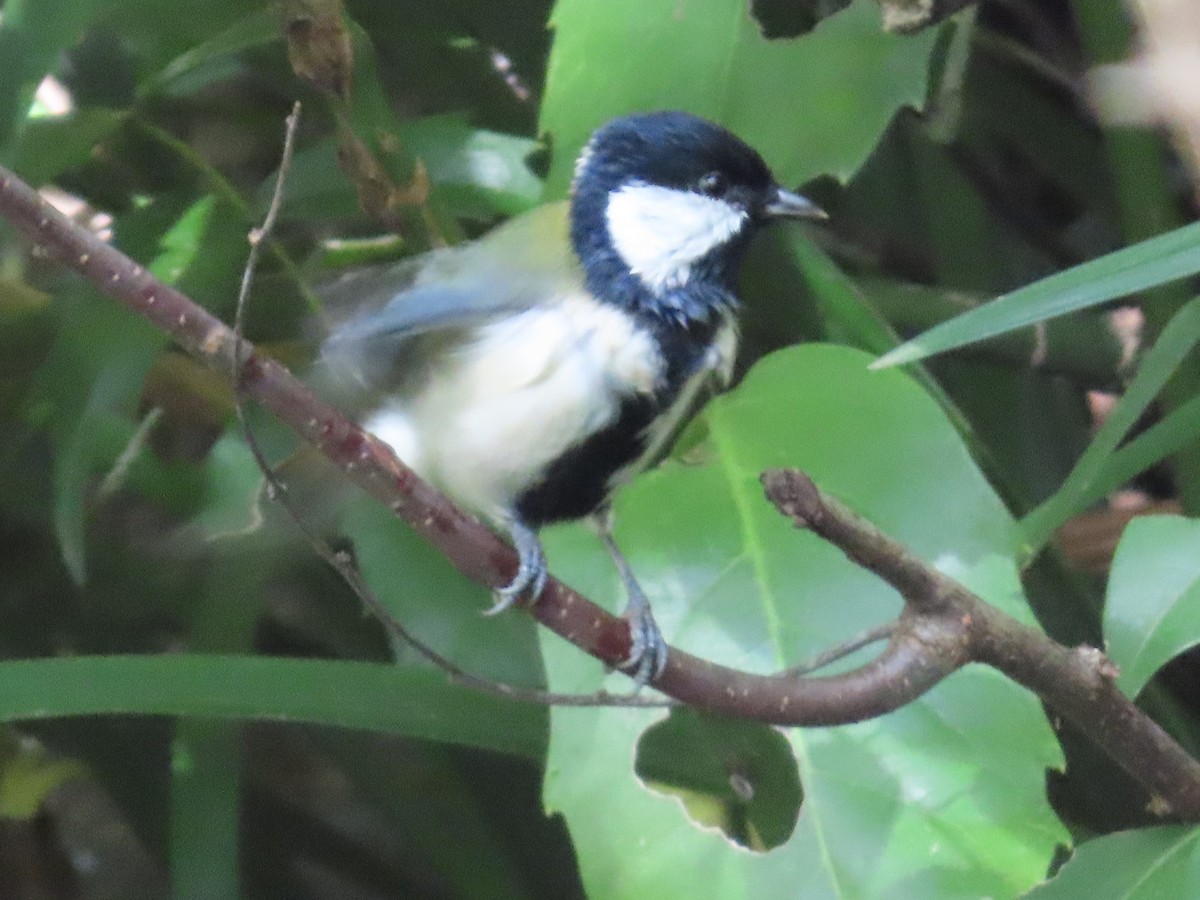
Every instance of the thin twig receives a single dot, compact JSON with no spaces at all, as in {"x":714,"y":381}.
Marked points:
{"x":833,"y":654}
{"x":257,"y":237}
{"x":943,"y":626}
{"x":1077,"y":683}
{"x":228,"y":194}
{"x":115,"y":477}
{"x":924,"y":649}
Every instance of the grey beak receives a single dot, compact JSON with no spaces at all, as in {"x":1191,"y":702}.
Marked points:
{"x":787,"y":205}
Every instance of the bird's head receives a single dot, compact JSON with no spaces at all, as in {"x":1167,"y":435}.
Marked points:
{"x":662,"y":205}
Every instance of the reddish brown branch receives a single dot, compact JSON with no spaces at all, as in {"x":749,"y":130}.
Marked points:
{"x":943,"y":626}
{"x":1078,"y":684}
{"x":910,"y":665}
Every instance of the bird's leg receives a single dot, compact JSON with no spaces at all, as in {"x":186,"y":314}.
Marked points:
{"x":531,"y":575}
{"x":647,"y":649}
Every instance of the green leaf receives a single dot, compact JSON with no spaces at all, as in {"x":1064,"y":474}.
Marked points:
{"x":206,"y":755}
{"x":1149,"y":264}
{"x":206,"y":775}
{"x":811,"y":105}
{"x":1130,"y":865}
{"x":93,"y":377}
{"x":47,"y":147}
{"x":233,"y":500}
{"x":851,"y":319}
{"x":1175,"y":431}
{"x":180,"y":246}
{"x":436,"y":603}
{"x":1152,"y":612}
{"x":954,"y":780}
{"x":32,"y":35}
{"x":90,"y":444}
{"x":848,"y":316}
{"x":739,"y":776}
{"x":97,"y":369}
{"x":476,"y":173}
{"x":1086,"y":483}
{"x":210,"y":60}
{"x":1083,"y":348}
{"x":28,"y":775}
{"x":416,"y":701}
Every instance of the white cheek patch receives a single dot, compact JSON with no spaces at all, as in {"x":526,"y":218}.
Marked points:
{"x":660,"y":232}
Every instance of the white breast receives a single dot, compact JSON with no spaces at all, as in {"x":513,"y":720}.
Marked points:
{"x":497,"y":410}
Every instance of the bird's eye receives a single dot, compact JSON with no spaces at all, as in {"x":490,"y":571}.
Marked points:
{"x":714,"y":184}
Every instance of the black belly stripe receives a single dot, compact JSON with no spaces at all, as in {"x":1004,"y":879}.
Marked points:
{"x":577,"y":483}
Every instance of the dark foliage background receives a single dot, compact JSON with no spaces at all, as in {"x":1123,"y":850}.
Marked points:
{"x":197,"y":707}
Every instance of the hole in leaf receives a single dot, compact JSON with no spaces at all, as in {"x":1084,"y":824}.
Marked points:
{"x":539,"y":157}
{"x":782,"y":19}
{"x":740,"y":777}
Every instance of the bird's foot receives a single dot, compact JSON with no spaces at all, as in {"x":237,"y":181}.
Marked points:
{"x":530,"y":580}
{"x":647,"y":649}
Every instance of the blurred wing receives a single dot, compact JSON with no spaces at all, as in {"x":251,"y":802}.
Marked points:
{"x":423,"y":305}
{"x":523,"y":262}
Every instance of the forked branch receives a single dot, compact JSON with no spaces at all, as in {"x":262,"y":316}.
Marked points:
{"x":943,"y":626}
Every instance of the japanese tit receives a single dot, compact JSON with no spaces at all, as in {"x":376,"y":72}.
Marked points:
{"x":532,"y":372}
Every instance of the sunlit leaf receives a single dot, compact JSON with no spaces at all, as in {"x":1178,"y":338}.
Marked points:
{"x":955,"y":779}
{"x":1149,"y":264}
{"x":1152,"y":612}
{"x":811,"y":105}
{"x":28,"y":774}
{"x":1129,"y":865}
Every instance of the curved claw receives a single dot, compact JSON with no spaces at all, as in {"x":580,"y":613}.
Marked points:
{"x":647,"y":649}
{"x":530,"y":580}
{"x":526,"y":586}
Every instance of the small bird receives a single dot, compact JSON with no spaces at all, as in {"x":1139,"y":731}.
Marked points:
{"x":530,"y":373}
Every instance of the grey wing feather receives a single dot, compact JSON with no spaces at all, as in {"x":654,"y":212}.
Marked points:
{"x":413,"y":297}
{"x":524,"y":262}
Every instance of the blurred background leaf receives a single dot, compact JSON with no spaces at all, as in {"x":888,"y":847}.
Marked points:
{"x":1152,"y":862}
